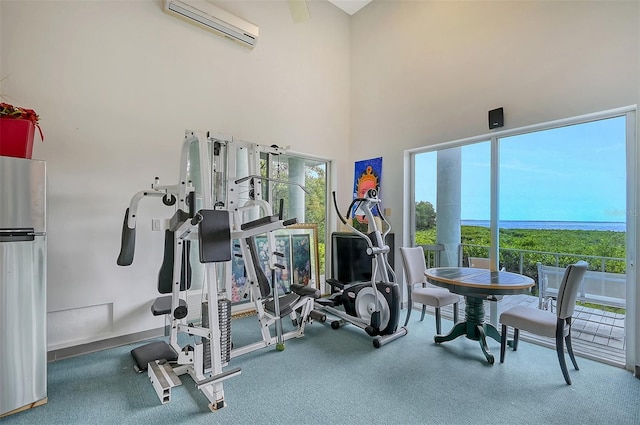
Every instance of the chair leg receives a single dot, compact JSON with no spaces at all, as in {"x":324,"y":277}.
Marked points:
{"x":516,"y":335}
{"x":409,"y":308}
{"x":567,"y":340}
{"x":408,"y":315}
{"x":503,"y":343}
{"x":438,"y":321}
{"x":560,"y":350}
{"x":424,"y":310}
{"x":455,"y":313}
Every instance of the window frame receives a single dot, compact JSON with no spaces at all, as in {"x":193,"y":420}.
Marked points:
{"x":632,"y":197}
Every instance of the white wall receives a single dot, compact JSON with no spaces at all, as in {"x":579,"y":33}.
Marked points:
{"x":116,"y":83}
{"x":428,"y":72}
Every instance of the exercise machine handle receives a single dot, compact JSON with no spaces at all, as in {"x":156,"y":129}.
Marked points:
{"x":127,"y":243}
{"x":353,"y":229}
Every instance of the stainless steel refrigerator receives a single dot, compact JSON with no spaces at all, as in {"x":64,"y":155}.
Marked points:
{"x":23,"y":273}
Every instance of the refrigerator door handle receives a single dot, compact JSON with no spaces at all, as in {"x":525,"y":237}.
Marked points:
{"x":17,"y":235}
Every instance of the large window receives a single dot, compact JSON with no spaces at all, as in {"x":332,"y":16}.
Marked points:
{"x":570,"y":178}
{"x":563,"y":190}
{"x":550,"y":194}
{"x":308,"y":205}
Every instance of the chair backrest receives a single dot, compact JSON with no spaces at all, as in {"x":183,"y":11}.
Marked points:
{"x":479,"y":262}
{"x":568,"y":291}
{"x":414,"y":264}
{"x":432,"y":254}
{"x":482,"y":263}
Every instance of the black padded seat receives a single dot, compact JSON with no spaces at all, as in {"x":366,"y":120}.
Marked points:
{"x":286,"y":301}
{"x":152,"y":352}
{"x":162,"y":305}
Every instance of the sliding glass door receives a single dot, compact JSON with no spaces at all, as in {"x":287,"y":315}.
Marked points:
{"x":550,"y":194}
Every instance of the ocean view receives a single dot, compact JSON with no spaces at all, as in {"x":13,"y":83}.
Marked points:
{"x":560,"y":225}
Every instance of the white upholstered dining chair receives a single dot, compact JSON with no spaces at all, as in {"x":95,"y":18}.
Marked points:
{"x":546,"y":323}
{"x":425,"y":294}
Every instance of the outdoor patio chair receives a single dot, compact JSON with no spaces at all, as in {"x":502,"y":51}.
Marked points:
{"x":425,"y":294}
{"x":545,"y":323}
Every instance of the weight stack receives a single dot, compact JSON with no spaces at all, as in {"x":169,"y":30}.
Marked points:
{"x":224,"y":323}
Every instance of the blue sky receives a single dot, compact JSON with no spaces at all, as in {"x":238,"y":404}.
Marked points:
{"x":573,"y":173}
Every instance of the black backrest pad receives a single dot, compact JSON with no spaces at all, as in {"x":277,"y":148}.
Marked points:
{"x":165,"y":275}
{"x":214,"y":235}
{"x":263,"y":282}
{"x":128,"y":242}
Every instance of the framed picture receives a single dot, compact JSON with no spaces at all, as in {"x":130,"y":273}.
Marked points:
{"x":283,"y":246}
{"x":298,"y":245}
{"x":301,"y":258}
{"x":304,"y":254}
{"x":368,"y":175}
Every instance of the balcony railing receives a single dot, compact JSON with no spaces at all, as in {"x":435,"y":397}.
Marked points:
{"x":524,"y":261}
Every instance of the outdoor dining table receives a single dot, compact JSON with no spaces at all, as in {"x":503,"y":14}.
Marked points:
{"x":476,"y":285}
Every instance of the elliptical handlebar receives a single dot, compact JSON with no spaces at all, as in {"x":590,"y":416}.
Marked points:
{"x":371,"y":201}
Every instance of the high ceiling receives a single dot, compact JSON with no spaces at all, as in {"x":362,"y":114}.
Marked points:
{"x":350,"y":6}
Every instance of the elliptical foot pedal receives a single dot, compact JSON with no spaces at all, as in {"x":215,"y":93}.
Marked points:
{"x":329,"y":302}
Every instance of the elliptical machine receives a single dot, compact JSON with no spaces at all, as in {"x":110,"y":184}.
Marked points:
{"x":373,"y":306}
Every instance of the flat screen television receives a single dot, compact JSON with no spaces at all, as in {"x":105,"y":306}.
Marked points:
{"x":349,"y":260}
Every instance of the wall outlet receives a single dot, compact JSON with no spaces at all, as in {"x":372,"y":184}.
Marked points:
{"x":155,"y":224}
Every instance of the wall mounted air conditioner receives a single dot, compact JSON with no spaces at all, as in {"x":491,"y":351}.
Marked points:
{"x":212,"y":18}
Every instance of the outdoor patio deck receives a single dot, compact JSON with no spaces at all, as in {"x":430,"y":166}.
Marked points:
{"x":596,"y":334}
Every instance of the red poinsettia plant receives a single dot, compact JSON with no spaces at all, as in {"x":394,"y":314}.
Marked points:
{"x":16,"y":112}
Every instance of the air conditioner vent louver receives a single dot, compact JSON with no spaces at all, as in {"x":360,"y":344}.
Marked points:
{"x":212,"y":18}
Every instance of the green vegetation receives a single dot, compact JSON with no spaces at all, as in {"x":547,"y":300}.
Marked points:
{"x":538,"y":245}
{"x":425,"y":215}
{"x":526,"y":247}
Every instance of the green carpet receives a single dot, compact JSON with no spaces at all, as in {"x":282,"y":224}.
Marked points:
{"x":337,"y":377}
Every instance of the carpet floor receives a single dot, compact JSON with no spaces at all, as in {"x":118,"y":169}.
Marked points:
{"x":337,"y":377}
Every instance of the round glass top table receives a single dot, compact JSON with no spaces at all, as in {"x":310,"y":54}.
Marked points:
{"x":476,"y":285}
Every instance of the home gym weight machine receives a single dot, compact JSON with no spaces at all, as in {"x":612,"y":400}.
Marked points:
{"x":204,"y":361}
{"x":373,"y":306}
{"x":220,"y":192}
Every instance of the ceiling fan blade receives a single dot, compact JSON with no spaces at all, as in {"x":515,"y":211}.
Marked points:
{"x":299,"y":10}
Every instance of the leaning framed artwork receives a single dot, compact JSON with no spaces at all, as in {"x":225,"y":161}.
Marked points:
{"x":298,"y":245}
{"x":282,"y":274}
{"x":304,"y":253}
